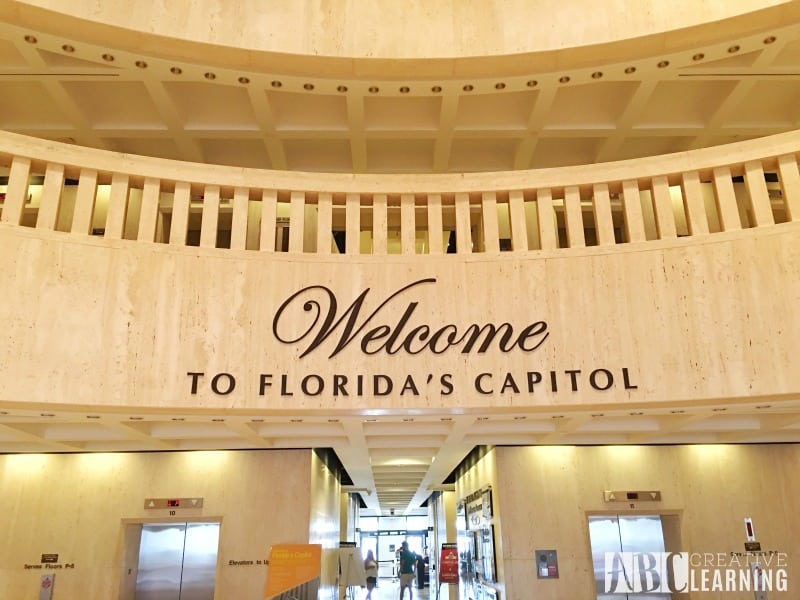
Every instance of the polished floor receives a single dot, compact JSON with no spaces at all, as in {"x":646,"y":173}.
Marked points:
{"x":389,"y":589}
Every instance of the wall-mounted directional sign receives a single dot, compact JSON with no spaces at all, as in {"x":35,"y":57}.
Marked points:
{"x":173,"y":503}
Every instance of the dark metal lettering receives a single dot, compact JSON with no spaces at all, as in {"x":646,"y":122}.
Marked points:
{"x":308,"y":391}
{"x":573,"y":376}
{"x":478,"y":383}
{"x":195,"y":378}
{"x":215,"y":381}
{"x":627,"y":380}
{"x":326,"y":323}
{"x":593,"y":379}
{"x":534,"y":377}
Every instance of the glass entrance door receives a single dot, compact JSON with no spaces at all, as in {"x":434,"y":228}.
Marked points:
{"x":177,"y":561}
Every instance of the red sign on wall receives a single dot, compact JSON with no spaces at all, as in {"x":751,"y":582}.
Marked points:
{"x":448,"y":564}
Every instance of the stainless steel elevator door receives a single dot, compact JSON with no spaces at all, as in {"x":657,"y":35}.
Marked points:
{"x":631,"y":533}
{"x":177,"y":561}
{"x":200,"y":561}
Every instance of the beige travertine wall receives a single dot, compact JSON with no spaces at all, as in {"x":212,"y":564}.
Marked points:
{"x":96,"y":322}
{"x":78,"y":506}
{"x":543,"y":496}
{"x":411,"y":29}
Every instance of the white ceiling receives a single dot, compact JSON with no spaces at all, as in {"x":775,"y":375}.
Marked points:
{"x":396,"y":460}
{"x":106,"y":97}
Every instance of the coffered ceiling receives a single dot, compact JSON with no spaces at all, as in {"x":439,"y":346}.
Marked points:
{"x":62,"y":88}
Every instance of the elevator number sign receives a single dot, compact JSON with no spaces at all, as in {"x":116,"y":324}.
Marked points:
{"x":173,"y":503}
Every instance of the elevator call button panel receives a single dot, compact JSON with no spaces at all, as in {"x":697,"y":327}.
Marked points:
{"x":546,"y":564}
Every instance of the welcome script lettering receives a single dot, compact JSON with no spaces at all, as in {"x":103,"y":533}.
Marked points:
{"x":356,"y":324}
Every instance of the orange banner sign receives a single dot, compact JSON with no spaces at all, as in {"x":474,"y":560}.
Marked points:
{"x":294,"y":568}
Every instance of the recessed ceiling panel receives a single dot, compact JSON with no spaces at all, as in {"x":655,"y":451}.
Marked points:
{"x":28,"y":105}
{"x":684,"y":103}
{"x":400,"y":155}
{"x":491,"y":154}
{"x":209,"y":444}
{"x":403,"y":113}
{"x":9,"y":434}
{"x":503,"y":110}
{"x":306,"y":112}
{"x":77,"y":432}
{"x":233,"y":152}
{"x":557,"y":152}
{"x":729,"y":62}
{"x":789,"y":56}
{"x":768,"y":104}
{"x":511,"y":427}
{"x":415,"y":454}
{"x":55,"y":59}
{"x":211,"y":107}
{"x":635,"y":147}
{"x":399,"y":427}
{"x":432,"y":441}
{"x":158,"y":147}
{"x":318,"y":155}
{"x":190,"y":430}
{"x":719,"y":140}
{"x":26,"y":446}
{"x":619,"y":424}
{"x":10,"y":57}
{"x":502,"y":439}
{"x":115,"y":105}
{"x":590,"y":106}
{"x":310,"y":429}
{"x":726,"y":423}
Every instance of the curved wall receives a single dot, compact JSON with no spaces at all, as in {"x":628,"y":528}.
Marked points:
{"x":421,"y":30}
{"x":102,"y":323}
{"x":668,"y":282}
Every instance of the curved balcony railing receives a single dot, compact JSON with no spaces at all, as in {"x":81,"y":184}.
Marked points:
{"x":81,"y":191}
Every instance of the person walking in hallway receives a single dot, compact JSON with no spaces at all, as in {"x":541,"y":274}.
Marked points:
{"x":371,"y":569}
{"x":408,"y":561}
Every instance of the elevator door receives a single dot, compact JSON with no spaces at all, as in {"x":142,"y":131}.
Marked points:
{"x":177,"y":561}
{"x":630,"y":533}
